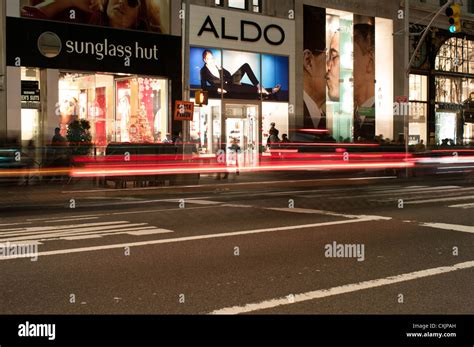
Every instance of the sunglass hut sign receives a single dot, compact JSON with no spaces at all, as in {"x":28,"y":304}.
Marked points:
{"x":51,"y":45}
{"x":101,"y":50}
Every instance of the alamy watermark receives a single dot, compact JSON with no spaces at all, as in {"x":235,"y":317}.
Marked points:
{"x":335,"y":250}
{"x":37,"y":330}
{"x":19,"y":250}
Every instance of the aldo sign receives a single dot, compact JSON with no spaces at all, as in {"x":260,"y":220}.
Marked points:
{"x":230,"y":29}
{"x":245,"y":27}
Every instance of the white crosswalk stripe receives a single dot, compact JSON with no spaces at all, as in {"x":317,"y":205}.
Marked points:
{"x":78,"y":231}
{"x":463,"y":206}
{"x":413,"y":190}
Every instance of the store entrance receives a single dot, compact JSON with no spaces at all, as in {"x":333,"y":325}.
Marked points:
{"x":241,"y":133}
{"x":446,"y":125}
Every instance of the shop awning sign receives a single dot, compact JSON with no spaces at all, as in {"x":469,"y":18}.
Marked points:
{"x":184,"y":110}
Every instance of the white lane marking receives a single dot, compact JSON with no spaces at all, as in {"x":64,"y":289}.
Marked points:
{"x":77,"y":235}
{"x":419,"y":189}
{"x":427,"y":201}
{"x":28,"y":230}
{"x":132,"y":231}
{"x":335,"y":191}
{"x":202,"y":237}
{"x":373,"y":194}
{"x":199,"y":202}
{"x":454,"y":227}
{"x":49,"y":234}
{"x":160,"y":210}
{"x":322,"y":212}
{"x":238,"y":206}
{"x":101,"y":233}
{"x":70,"y":220}
{"x":150,"y":232}
{"x":60,"y":217}
{"x":465,"y":206}
{"x":83,"y":237}
{"x":405,"y":193}
{"x":8,"y":224}
{"x":141,"y":202}
{"x":348,"y":288}
{"x":137,"y":201}
{"x":116,"y":213}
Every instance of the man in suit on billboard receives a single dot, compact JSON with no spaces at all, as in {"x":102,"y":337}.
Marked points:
{"x":314,"y":63}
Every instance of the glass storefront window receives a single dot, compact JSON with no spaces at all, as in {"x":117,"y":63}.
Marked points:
{"x":468,"y":134}
{"x":88,"y":97}
{"x":418,"y":88}
{"x":274,"y":113}
{"x":206,"y":127}
{"x":445,"y":127}
{"x":119,"y":109}
{"x":141,"y":112}
{"x":456,"y":55}
{"x":418,"y":109}
{"x":241,"y":130}
{"x":453,"y":90}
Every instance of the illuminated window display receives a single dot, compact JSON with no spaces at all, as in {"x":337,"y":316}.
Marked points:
{"x":119,"y":109}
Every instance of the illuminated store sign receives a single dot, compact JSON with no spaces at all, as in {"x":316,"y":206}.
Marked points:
{"x":245,"y":27}
{"x":49,"y":44}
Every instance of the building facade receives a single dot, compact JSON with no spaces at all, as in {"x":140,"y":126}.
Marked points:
{"x":118,"y":70}
{"x":442,"y":77}
{"x":331,"y":67}
{"x":331,"y":90}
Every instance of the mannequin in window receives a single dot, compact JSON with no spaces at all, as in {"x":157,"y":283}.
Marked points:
{"x":124,"y":111}
{"x":67,"y":113}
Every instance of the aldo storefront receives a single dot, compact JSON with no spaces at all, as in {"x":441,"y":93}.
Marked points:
{"x":245,"y":62}
{"x":122,"y":81}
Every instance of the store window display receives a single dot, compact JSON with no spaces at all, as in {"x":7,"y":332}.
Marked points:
{"x":119,"y":109}
{"x":141,"y":110}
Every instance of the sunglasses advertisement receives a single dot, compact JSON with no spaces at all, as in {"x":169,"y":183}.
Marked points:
{"x":143,"y":15}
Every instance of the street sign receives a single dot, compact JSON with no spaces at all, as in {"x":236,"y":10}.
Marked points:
{"x":30,"y":95}
{"x":401,"y":99}
{"x":184,"y":110}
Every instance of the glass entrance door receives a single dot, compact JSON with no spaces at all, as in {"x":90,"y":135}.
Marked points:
{"x":445,"y":127}
{"x":241,"y":134}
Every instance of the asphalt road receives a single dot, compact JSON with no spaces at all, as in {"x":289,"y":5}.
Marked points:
{"x":400,"y":247}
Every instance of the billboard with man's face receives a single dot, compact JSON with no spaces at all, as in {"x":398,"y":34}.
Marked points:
{"x":339,"y":73}
{"x":145,"y":15}
{"x":364,"y":78}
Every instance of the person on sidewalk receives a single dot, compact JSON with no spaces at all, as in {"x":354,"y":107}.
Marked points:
{"x":235,"y":152}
